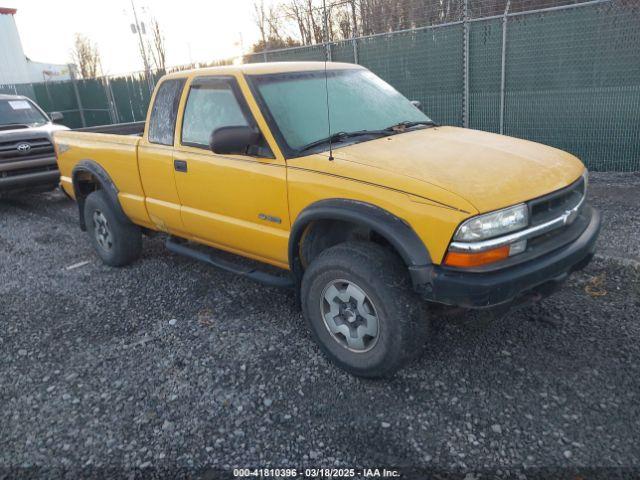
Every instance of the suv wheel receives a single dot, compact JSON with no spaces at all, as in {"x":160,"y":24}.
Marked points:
{"x":361,"y":309}
{"x":116,"y":242}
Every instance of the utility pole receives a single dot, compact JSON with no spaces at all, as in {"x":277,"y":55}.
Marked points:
{"x":143,"y":50}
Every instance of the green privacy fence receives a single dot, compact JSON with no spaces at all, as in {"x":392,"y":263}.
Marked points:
{"x":25,"y":89}
{"x":59,"y":96}
{"x":579,"y":88}
{"x":565,"y":76}
{"x":406,"y":60}
{"x":91,"y":102}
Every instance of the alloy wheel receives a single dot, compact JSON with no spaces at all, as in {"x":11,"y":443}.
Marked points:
{"x":350,"y":316}
{"x":102,"y":231}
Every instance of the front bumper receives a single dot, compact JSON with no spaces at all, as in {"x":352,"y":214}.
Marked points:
{"x":477,"y":290}
{"x":28,"y":174}
{"x":29,"y":181}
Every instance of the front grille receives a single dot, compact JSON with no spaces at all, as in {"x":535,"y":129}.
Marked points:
{"x":551,"y":206}
{"x":38,"y":148}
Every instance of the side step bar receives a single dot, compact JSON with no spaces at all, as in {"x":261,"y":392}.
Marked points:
{"x":245,"y":271}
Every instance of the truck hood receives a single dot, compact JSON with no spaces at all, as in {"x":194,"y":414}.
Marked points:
{"x":16,"y":134}
{"x":487,"y":170}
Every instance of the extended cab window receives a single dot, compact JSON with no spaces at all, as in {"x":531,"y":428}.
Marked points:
{"x":162,"y":123}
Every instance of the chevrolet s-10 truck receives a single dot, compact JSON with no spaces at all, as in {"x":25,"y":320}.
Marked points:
{"x":371,"y":219}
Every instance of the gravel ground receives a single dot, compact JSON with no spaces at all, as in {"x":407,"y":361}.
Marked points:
{"x":169,"y":364}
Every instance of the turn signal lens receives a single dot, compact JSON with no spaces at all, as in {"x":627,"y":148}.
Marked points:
{"x":466,"y":259}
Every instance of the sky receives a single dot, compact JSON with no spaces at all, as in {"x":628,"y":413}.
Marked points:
{"x":195,"y":31}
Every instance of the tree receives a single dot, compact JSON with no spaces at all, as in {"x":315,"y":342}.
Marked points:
{"x":156,"y":46}
{"x":269,"y":23}
{"x":352,"y":18}
{"x":274,"y":43}
{"x":86,"y":56}
{"x":308,"y":19}
{"x":260,"y":17}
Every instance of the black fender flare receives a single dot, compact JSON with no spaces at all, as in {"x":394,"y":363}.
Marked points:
{"x":396,"y":231}
{"x":106,"y":184}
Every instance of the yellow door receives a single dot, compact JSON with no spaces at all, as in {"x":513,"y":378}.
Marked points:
{"x":234,"y":202}
{"x":155,"y":159}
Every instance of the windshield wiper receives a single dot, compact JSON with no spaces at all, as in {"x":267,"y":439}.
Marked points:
{"x":408,"y":124}
{"x":342,"y":136}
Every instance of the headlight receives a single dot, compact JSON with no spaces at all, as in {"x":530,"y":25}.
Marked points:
{"x":493,"y":224}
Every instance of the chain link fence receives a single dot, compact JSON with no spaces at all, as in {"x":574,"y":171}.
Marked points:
{"x":561,"y":72}
{"x":565,"y":73}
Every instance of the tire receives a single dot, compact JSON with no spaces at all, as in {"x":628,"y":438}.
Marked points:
{"x":399,"y":321}
{"x":117,"y":241}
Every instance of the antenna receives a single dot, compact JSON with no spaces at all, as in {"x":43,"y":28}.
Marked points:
{"x":326,"y":78}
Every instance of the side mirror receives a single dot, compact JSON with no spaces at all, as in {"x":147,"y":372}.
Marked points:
{"x":233,"y":140}
{"x":56,"y":116}
{"x":417,"y":104}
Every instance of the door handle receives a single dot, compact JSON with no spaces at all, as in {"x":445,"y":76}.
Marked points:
{"x":180,"y":165}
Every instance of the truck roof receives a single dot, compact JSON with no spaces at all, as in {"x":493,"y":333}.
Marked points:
{"x":265,"y":68}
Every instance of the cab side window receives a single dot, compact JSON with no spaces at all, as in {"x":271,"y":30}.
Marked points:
{"x":215,"y":103}
{"x":162,"y":123}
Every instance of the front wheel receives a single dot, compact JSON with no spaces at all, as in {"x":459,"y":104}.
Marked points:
{"x":358,"y":302}
{"x":117,"y":242}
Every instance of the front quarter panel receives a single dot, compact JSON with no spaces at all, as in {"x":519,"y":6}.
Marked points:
{"x":315,"y":178}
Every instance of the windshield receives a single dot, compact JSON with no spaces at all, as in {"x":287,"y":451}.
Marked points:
{"x":20,"y":112}
{"x":358,"y":100}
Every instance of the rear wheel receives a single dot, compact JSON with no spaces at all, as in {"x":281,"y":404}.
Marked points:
{"x":117,"y":242}
{"x":361,"y":309}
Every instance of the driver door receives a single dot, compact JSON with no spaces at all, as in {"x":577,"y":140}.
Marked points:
{"x":234,"y":202}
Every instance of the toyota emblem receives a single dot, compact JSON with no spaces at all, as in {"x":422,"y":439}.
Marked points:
{"x":23,"y":147}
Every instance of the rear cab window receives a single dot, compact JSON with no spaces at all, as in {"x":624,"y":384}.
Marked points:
{"x":162,"y":123}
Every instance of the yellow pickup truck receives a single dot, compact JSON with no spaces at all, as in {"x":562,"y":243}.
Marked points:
{"x":370,"y":209}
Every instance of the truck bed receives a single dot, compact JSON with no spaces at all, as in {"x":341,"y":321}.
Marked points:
{"x":132,"y":128}
{"x":115,"y":153}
